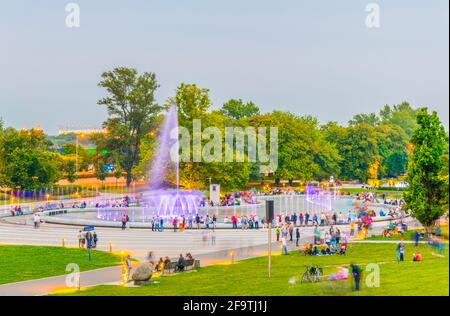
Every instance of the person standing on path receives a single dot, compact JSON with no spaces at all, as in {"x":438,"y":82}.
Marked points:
{"x":356,"y":272}
{"x":400,"y":251}
{"x":36,"y":220}
{"x":284,"y":243}
{"x":291,"y":231}
{"x":89,"y":242}
{"x":174,"y":223}
{"x":297,"y":236}
{"x":161,"y":224}
{"x":128,"y":265}
{"x":80,"y":239}
{"x":124,"y":222}
{"x":416,"y":238}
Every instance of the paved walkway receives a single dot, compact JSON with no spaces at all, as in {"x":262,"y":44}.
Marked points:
{"x":210,"y":247}
{"x":52,"y":284}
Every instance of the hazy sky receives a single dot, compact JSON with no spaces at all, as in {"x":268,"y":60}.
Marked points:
{"x":309,"y":57}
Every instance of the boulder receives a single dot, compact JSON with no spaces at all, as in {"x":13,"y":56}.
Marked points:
{"x":143,"y":273}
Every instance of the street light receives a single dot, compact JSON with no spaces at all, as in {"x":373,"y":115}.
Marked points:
{"x":76,"y":150}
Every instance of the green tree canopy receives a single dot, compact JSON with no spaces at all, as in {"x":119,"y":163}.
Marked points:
{"x":26,"y":161}
{"x":237,"y":109}
{"x":132,"y":109}
{"x":428,"y":189}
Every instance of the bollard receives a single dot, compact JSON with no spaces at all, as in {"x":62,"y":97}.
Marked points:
{"x":79,"y":282}
{"x":63,"y":241}
{"x":110,"y":247}
{"x":281,"y":248}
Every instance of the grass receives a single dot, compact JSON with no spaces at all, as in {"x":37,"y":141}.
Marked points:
{"x":390,"y":194}
{"x":409,"y":235}
{"x":21,"y":263}
{"x":249,"y":277}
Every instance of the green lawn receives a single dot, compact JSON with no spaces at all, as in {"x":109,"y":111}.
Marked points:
{"x":21,"y":263}
{"x":409,"y":235}
{"x":390,"y":194}
{"x":249,"y":277}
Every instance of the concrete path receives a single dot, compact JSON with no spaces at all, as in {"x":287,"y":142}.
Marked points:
{"x":210,"y":247}
{"x":52,"y":284}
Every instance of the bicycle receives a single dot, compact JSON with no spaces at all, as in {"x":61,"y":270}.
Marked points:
{"x":312,"y":274}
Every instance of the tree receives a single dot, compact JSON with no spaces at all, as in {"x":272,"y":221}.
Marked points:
{"x":303,"y":151}
{"x":131,"y":108}
{"x":237,"y":109}
{"x":370,"y":119}
{"x":392,"y":143}
{"x":25,"y":159}
{"x":100,"y":172}
{"x":358,"y":149}
{"x":192,"y":103}
{"x":71,"y":173}
{"x":402,"y":115}
{"x":117,"y":172}
{"x":428,"y":189}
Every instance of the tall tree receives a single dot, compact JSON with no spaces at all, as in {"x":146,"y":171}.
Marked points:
{"x":237,"y":109}
{"x":370,"y":119}
{"x":71,"y":173}
{"x":26,"y":161}
{"x":132,"y":108}
{"x":358,"y":149}
{"x":402,"y":115}
{"x":100,"y":172}
{"x":428,"y":189}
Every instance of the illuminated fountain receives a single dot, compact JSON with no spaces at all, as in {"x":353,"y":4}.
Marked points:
{"x":160,"y":199}
{"x":163,"y":198}
{"x":320,"y":198}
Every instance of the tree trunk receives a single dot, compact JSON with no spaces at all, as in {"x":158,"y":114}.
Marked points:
{"x":129,"y":178}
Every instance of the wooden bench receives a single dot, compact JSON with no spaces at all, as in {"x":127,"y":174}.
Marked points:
{"x":169,"y":267}
{"x":190,"y":264}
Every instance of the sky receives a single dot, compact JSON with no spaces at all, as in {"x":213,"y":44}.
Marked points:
{"x":309,"y":57}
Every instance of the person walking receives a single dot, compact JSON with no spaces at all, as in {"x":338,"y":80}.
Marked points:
{"x":124,"y":222}
{"x":128,"y":266}
{"x":156,"y":223}
{"x":416,"y":238}
{"x":95,"y":239}
{"x":234,"y":221}
{"x":36,"y":220}
{"x":80,"y":239}
{"x":277,"y":233}
{"x":89,"y":242}
{"x":400,"y":251}
{"x":161,"y":224}
{"x":174,"y":223}
{"x":297,"y":236}
{"x":356,"y":272}
{"x":284,"y":243}
{"x":291,"y":231}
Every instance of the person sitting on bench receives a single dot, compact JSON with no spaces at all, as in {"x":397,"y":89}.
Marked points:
{"x":160,"y":265}
{"x":181,"y":263}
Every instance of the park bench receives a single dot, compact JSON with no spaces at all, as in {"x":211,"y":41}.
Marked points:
{"x":190,"y":264}
{"x":170,"y":267}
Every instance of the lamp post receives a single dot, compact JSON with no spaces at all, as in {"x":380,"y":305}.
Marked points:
{"x":76,"y":150}
{"x":76,"y":153}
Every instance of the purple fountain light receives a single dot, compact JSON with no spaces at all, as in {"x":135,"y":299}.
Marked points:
{"x":160,"y":200}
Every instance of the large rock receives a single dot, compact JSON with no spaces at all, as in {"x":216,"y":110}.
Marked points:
{"x":143,"y":274}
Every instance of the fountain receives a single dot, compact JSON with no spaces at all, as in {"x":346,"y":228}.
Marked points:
{"x":163,"y":199}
